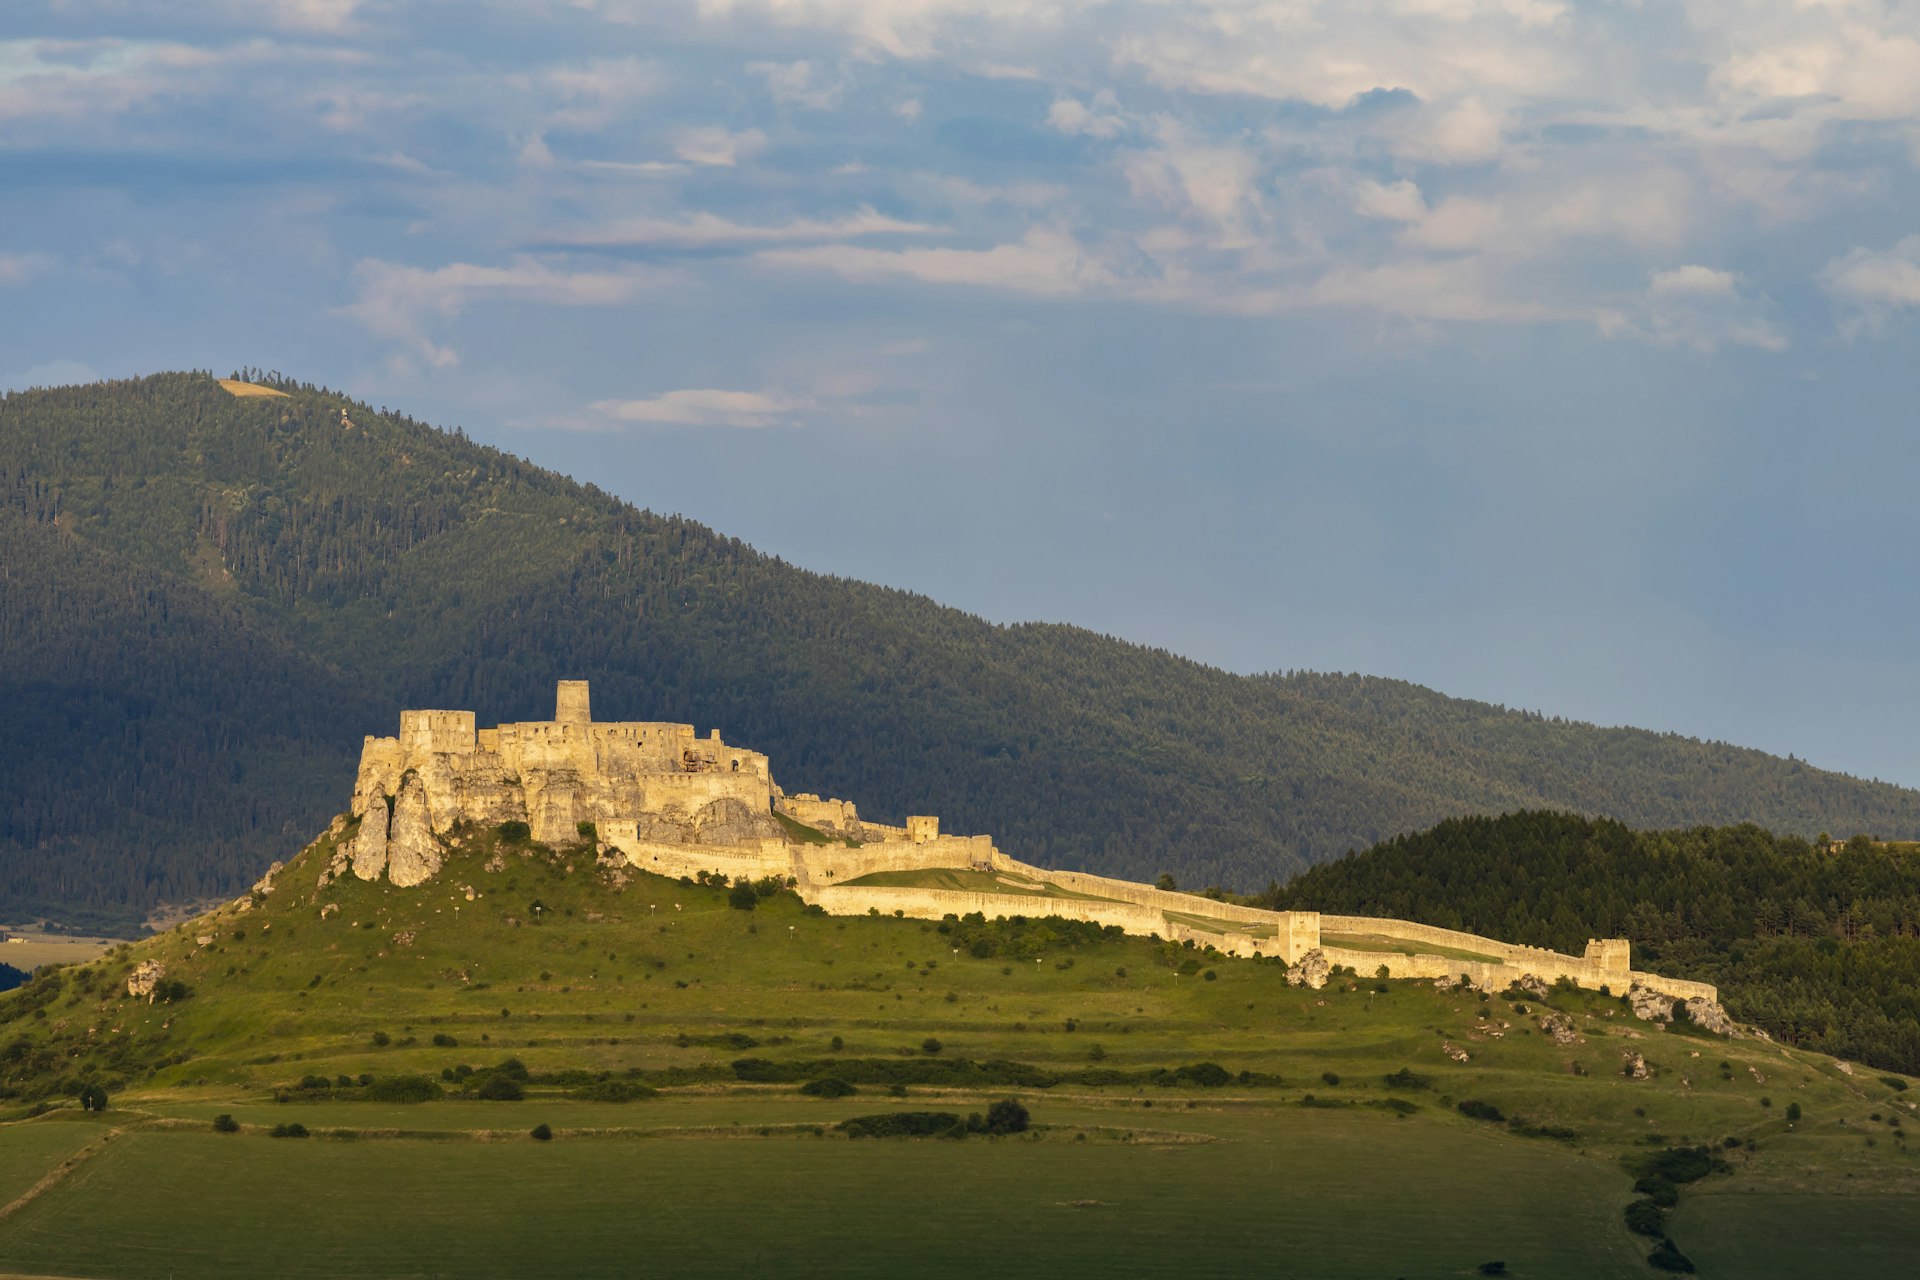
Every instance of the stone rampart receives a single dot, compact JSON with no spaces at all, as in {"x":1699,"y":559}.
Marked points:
{"x":932,"y":904}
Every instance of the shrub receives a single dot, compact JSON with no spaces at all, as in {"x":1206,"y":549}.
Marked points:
{"x":827,"y":1087}
{"x":1645,"y":1218}
{"x":1007,"y":1116}
{"x":901,"y":1124}
{"x":1894,"y":1083}
{"x":499,"y":1088}
{"x":1679,"y":1165}
{"x":1666,"y":1257}
{"x":1207,"y":1075}
{"x":931,"y":1045}
{"x":1330,"y":1077}
{"x":541,"y":1132}
{"x":93,"y":1098}
{"x":404,"y":1089}
{"x":1210,"y":975}
{"x":1658,"y":1191}
{"x":1406,"y":1079}
{"x":742,"y":897}
{"x":587,"y":832}
{"x":293,"y":1130}
{"x":1474,"y":1109}
{"x":441,"y":1040}
{"x":513,"y":832}
{"x":381,"y":1039}
{"x":224,"y":1123}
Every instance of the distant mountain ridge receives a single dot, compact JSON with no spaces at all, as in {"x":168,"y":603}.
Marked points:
{"x":204,"y":599}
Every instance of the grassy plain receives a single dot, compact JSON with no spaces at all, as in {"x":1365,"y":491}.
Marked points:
{"x":1310,"y":1167}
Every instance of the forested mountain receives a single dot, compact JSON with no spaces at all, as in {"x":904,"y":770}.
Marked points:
{"x":206,"y":600}
{"x":1820,"y":948}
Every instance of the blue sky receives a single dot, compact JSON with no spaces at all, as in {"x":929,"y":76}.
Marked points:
{"x":1560,"y":354}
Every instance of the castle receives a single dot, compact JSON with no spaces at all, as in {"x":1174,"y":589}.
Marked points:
{"x":658,"y":797}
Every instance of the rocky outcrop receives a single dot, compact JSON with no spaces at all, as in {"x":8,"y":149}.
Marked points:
{"x":369,"y":852}
{"x":1532,"y":985}
{"x":1558,"y":1027}
{"x":145,"y":977}
{"x":1709,"y":1016}
{"x":1310,"y":970}
{"x":1634,"y":1066}
{"x":413,"y":853}
{"x":1649,"y":1005}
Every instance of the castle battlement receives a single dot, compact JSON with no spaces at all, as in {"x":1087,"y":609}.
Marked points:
{"x":664,"y":799}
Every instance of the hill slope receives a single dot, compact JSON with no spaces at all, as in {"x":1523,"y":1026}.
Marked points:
{"x":207,"y":599}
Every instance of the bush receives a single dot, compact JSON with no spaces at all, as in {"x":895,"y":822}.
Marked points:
{"x":1793,"y":1113}
{"x":587,"y":832}
{"x":1665,"y":1257}
{"x":1329,"y":1077}
{"x":499,"y":1088}
{"x":901,"y":1124}
{"x":1406,"y":1079}
{"x":224,"y":1123}
{"x":93,"y":1098}
{"x":1645,"y":1218}
{"x":541,"y":1132}
{"x":1007,"y":1116}
{"x":1475,"y":1109}
{"x":441,"y":1040}
{"x":1679,"y":1165}
{"x":1659,"y":1191}
{"x":827,"y":1087}
{"x":381,"y":1039}
{"x":742,"y":897}
{"x":294,"y":1130}
{"x":614,"y":1091}
{"x":404,"y":1089}
{"x":513,"y":832}
{"x":1894,"y":1083}
{"x":931,"y":1045}
{"x":1207,"y":1075}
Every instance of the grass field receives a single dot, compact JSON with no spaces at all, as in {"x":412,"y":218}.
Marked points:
{"x":567,"y":968}
{"x":29,"y":951}
{"x":1400,"y":946}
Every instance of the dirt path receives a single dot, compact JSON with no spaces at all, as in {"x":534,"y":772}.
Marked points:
{"x":59,"y":1174}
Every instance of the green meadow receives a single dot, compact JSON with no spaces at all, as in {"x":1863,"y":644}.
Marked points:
{"x":1190,"y":1111}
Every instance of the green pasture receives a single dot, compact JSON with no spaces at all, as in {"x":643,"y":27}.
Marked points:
{"x":577,"y":972}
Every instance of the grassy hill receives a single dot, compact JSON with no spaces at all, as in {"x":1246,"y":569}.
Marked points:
{"x":206,"y":600}
{"x":668,"y":1041}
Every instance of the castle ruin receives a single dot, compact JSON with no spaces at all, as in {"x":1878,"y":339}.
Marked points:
{"x":660,"y":798}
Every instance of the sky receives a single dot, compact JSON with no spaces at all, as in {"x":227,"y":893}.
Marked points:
{"x":1557,"y":354}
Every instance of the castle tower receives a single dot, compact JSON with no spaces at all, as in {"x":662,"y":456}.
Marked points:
{"x":923,"y":830}
{"x":570,"y":704}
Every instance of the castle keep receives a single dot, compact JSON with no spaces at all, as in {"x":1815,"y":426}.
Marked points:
{"x":658,"y":797}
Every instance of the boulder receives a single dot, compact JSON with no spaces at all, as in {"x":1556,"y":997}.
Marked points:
{"x":145,"y":977}
{"x":1559,"y":1028}
{"x":1532,"y":985}
{"x":1649,"y":1005}
{"x":1634,"y":1066}
{"x":1709,"y":1016}
{"x":413,"y":853}
{"x":1310,"y":970}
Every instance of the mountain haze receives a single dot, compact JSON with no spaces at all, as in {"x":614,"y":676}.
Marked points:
{"x":206,"y":601}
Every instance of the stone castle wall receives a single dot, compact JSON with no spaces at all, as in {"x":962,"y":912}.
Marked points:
{"x":677,"y":804}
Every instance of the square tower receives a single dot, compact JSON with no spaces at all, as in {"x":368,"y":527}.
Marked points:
{"x":922,"y":830}
{"x":570,"y":705}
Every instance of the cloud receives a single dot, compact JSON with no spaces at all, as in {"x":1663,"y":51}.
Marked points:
{"x":715,"y":146}
{"x":19,"y":269}
{"x":394,"y":301}
{"x":799,"y":84}
{"x":706,"y":408}
{"x":1872,"y":284}
{"x":1045,"y":262}
{"x":1102,"y":119}
{"x":1701,"y":308}
{"x":706,"y":230}
{"x":1399,"y":202}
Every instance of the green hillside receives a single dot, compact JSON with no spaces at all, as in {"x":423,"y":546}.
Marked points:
{"x":677,"y":1045}
{"x":205,"y":601}
{"x":1821,"y":948}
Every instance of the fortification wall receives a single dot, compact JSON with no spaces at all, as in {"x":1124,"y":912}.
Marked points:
{"x":1500,"y":976}
{"x":1147,"y":895}
{"x":931,"y":904}
{"x":824,"y":815}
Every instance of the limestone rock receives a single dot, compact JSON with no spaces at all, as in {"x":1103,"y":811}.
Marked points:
{"x":145,"y":977}
{"x":203,"y":940}
{"x":265,"y":884}
{"x":1634,"y":1066}
{"x":1709,"y":1016}
{"x":413,"y":854}
{"x":729,"y":821}
{"x":1454,"y":1051}
{"x":1310,"y":970}
{"x":1532,"y":985}
{"x":1559,"y":1028}
{"x":1649,"y":1005}
{"x":370,"y":846}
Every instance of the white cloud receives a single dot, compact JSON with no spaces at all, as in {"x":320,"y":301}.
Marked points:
{"x":1045,"y":262}
{"x":1399,"y":202}
{"x":706,"y":230}
{"x":799,"y":84}
{"x":706,"y":408}
{"x":1872,"y":284}
{"x":1693,"y":279}
{"x":395,"y":301}
{"x":910,"y":110}
{"x":1102,"y":119}
{"x":1214,"y":183}
{"x":18,"y":269}
{"x":592,"y":94}
{"x":1701,"y":308}
{"x":717,"y":147}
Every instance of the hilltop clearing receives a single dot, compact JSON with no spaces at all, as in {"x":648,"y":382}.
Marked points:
{"x":203,"y":597}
